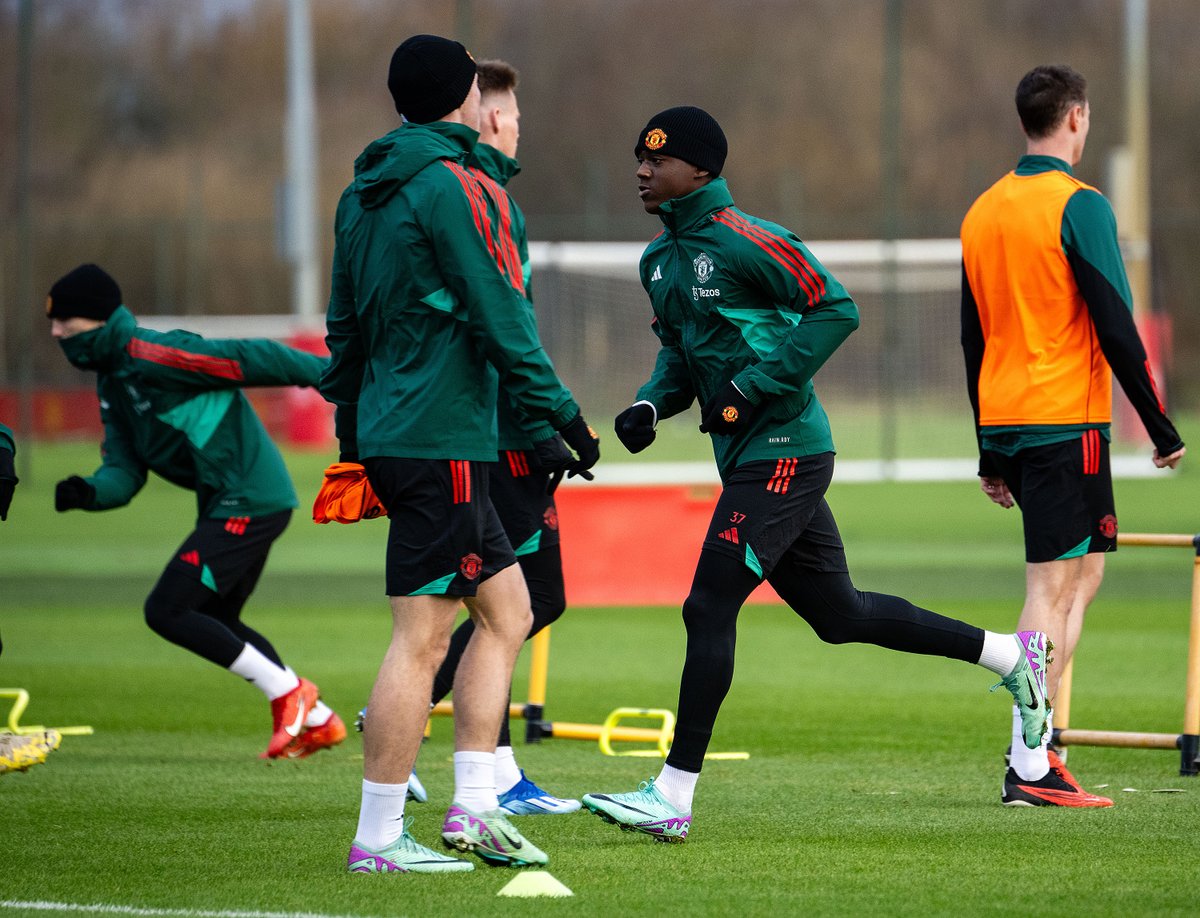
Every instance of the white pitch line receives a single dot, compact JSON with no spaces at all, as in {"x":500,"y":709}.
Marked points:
{"x":103,"y":909}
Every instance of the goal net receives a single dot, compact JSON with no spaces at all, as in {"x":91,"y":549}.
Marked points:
{"x":894,"y":391}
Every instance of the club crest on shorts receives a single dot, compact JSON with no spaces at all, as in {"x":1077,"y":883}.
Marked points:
{"x":704,"y":267}
{"x":471,"y":566}
{"x":655,"y":138}
{"x":1108,"y":526}
{"x":550,"y":518}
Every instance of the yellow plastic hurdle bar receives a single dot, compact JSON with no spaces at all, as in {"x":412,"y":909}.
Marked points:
{"x":537,"y":728}
{"x":20,"y":703}
{"x":1187,"y":742}
{"x":533,"y":711}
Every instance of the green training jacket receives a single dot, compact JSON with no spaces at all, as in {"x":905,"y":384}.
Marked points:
{"x":6,"y":439}
{"x":494,"y":170}
{"x":171,"y":404}
{"x":739,"y":298}
{"x":424,"y":304}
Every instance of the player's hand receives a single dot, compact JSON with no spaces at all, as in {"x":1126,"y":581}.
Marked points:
{"x":635,"y":426}
{"x":727,"y":411}
{"x":8,"y":480}
{"x":1169,"y":462}
{"x":550,"y":457}
{"x":996,"y":490}
{"x":73,"y":493}
{"x":586,"y":444}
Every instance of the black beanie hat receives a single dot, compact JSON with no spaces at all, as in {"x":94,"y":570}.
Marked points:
{"x":687,"y":133}
{"x":430,"y":77}
{"x":88,"y":292}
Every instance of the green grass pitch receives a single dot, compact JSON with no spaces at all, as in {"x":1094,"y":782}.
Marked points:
{"x":872,"y":785}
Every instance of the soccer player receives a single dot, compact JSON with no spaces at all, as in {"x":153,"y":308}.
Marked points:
{"x":171,"y":403}
{"x":1046,"y":320}
{"x":8,"y":474}
{"x":427,"y":317}
{"x":746,"y":316}
{"x":18,"y":753}
{"x":532,"y":458}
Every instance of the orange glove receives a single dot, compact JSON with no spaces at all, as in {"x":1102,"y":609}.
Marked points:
{"x":346,"y":496}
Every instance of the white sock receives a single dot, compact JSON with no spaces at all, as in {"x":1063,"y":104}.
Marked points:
{"x":1001,"y":653}
{"x":381,"y":818}
{"x":475,"y":781}
{"x":507,"y":771}
{"x":271,"y":679}
{"x":677,"y":786}
{"x":319,"y":715}
{"x":1029,"y":764}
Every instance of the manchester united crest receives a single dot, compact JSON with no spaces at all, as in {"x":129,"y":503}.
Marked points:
{"x":471,"y":566}
{"x":655,"y":138}
{"x":704,"y":267}
{"x":1108,"y":526}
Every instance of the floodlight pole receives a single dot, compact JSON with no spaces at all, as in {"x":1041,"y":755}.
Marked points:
{"x":1135,"y":223}
{"x":25,"y":304}
{"x":891,"y":177}
{"x":301,"y":149}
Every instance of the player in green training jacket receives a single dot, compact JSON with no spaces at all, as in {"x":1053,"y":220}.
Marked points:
{"x":171,"y":403}
{"x":426,"y":320}
{"x":746,"y":316}
{"x":8,"y":474}
{"x":532,"y":456}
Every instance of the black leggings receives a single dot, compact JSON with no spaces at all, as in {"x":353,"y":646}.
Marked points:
{"x":547,"y":595}
{"x":836,"y":611}
{"x":186,"y":612}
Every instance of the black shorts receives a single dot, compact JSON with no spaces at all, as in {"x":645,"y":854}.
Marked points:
{"x":526,"y":511}
{"x":773,"y":512}
{"x":1065,"y":494}
{"x":222,"y":553}
{"x":444,"y":537}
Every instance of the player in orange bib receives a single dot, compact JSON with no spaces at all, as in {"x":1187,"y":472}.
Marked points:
{"x":1046,"y":321}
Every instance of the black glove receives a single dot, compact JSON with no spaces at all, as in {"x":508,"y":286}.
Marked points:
{"x":8,"y":480}
{"x":550,"y":457}
{"x":635,"y":426}
{"x":586,"y":444}
{"x":727,"y":411}
{"x":72,"y":493}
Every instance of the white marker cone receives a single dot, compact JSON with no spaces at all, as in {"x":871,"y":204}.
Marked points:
{"x":534,"y":883}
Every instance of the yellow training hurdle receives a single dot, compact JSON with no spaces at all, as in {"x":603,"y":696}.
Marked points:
{"x":20,"y":699}
{"x":1187,"y":742}
{"x":612,"y":730}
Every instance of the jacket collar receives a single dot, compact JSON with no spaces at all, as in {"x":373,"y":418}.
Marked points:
{"x":681,"y":214}
{"x":101,"y":348}
{"x":494,"y":164}
{"x":392,"y":160}
{"x":1034,"y":165}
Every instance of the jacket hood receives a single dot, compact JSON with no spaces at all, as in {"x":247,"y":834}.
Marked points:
{"x":101,"y":348}
{"x":388,"y":163}
{"x":498,"y":167}
{"x":679,"y":214}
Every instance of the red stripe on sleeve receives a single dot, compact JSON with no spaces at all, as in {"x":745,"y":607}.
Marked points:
{"x":789,"y":251}
{"x":480,"y":219}
{"x":1154,"y":388}
{"x":475,"y":195}
{"x":778,"y":248}
{"x":509,"y":255}
{"x":223,"y":367}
